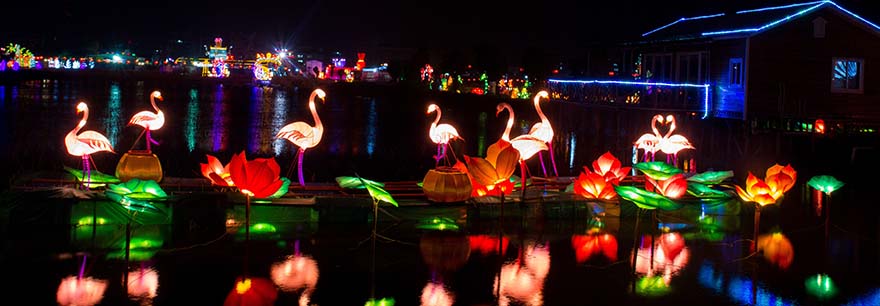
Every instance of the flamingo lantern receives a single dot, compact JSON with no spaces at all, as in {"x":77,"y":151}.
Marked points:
{"x":150,"y":121}
{"x":672,"y":144}
{"x":650,"y":142}
{"x":86,"y":143}
{"x":544,"y":131}
{"x":440,"y":134}
{"x":304,"y":135}
{"x":527,"y":144}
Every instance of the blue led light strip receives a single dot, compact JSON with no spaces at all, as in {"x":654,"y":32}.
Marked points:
{"x":854,"y":15}
{"x":704,"y":86}
{"x":789,"y":17}
{"x":680,"y":20}
{"x":779,"y":7}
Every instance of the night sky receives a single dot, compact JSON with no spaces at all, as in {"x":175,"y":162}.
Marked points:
{"x":78,"y":27}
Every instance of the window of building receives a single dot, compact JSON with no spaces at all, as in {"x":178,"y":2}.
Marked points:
{"x":736,"y":72}
{"x":693,"y":67}
{"x":657,"y":67}
{"x":847,"y":75}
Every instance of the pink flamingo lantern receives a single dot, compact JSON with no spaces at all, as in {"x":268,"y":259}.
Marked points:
{"x":672,"y":144}
{"x":650,"y":142}
{"x":544,"y":131}
{"x":440,"y":134}
{"x":86,"y":143}
{"x":304,"y":135}
{"x":150,"y":121}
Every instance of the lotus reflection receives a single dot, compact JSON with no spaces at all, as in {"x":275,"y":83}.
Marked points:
{"x":297,"y":272}
{"x":435,"y":294}
{"x":777,"y":249}
{"x":523,"y":279}
{"x":143,"y":284}
{"x":670,"y":256}
{"x":251,"y":291}
{"x":80,"y":291}
{"x":588,"y":246}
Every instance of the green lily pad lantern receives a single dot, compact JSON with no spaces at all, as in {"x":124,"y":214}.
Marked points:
{"x":136,"y":194}
{"x":711,"y":177}
{"x":657,"y":170}
{"x":825,"y":183}
{"x":645,"y":199}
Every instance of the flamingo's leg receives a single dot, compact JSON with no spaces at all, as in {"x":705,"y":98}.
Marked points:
{"x":667,"y":158}
{"x":522,"y":171}
{"x":150,"y":140}
{"x":541,"y":159}
{"x":88,"y":172}
{"x":553,"y":159}
{"x":437,"y":156}
{"x":299,"y":161}
{"x":290,"y":169}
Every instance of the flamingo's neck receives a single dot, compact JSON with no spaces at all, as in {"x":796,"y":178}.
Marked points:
{"x":506,"y":135}
{"x":153,"y":102}
{"x":671,"y":127}
{"x":544,"y":120}
{"x":654,"y":126}
{"x":437,"y":119}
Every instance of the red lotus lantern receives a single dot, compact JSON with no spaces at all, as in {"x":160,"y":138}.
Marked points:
{"x":216,"y":172}
{"x":252,"y":291}
{"x":673,"y":187}
{"x":257,"y":178}
{"x":594,"y":186}
{"x":608,"y":166}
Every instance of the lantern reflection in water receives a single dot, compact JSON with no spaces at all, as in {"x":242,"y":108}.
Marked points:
{"x":670,"y":256}
{"x":523,"y":279}
{"x":143,"y":284}
{"x":80,"y":291}
{"x":435,"y":294}
{"x":297,"y":272}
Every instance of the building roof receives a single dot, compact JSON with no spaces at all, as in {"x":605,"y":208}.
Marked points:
{"x":745,"y":22}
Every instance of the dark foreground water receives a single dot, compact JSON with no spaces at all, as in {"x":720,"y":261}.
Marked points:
{"x":193,"y":249}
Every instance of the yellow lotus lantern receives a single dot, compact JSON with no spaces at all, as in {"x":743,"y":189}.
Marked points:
{"x":777,"y":181}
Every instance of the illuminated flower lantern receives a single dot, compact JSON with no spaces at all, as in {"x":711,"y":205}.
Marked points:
{"x":673,"y":187}
{"x":777,"y":249}
{"x":257,"y":178}
{"x":777,"y":181}
{"x":446,"y":184}
{"x":252,"y":291}
{"x":595,"y":243}
{"x":494,"y":173}
{"x":216,"y":172}
{"x":86,"y":143}
{"x":139,"y":163}
{"x":599,"y":183}
{"x":304,"y":135}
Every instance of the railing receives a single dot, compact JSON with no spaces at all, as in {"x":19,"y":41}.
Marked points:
{"x":648,"y":95}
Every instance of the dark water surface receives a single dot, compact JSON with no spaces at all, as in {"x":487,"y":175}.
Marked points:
{"x":551,"y":255}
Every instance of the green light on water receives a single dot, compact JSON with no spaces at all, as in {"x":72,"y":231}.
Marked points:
{"x":262,"y":228}
{"x":114,"y":114}
{"x":821,"y":286}
{"x":438,"y":224}
{"x":89,"y":221}
{"x":652,"y":286}
{"x":381,"y":302}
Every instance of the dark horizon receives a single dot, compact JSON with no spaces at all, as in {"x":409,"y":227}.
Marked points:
{"x":349,"y":26}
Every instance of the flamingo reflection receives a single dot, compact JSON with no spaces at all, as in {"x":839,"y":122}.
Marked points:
{"x":523,"y":279}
